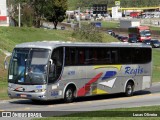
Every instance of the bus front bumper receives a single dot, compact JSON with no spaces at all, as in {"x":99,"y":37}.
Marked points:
{"x":28,"y":95}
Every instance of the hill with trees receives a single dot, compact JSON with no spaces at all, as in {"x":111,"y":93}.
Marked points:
{"x":110,"y":3}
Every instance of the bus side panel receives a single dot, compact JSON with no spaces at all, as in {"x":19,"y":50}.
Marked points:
{"x":92,"y":80}
{"x":103,"y":79}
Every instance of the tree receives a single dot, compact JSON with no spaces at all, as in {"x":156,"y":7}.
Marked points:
{"x":55,"y":11}
{"x":38,"y":7}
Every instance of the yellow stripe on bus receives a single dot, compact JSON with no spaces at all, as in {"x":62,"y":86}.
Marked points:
{"x":99,"y":91}
{"x":108,"y":66}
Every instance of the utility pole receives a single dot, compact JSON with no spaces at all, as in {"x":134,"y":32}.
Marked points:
{"x":79,"y":17}
{"x":19,"y":15}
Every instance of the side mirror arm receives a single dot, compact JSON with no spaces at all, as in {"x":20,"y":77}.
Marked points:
{"x":5,"y":62}
{"x":51,"y":61}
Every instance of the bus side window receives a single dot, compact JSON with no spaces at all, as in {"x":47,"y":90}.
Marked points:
{"x":141,"y":55}
{"x":114,"y":56}
{"x":81,"y":56}
{"x":71,"y":56}
{"x":67,"y":56}
{"x":125,"y":57}
{"x":108,"y":57}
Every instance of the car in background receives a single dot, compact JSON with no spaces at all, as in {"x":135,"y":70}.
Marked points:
{"x":124,"y":39}
{"x":132,"y":40}
{"x":116,"y":36}
{"x":155,"y":43}
{"x":111,"y":32}
{"x":148,"y":42}
{"x":119,"y":37}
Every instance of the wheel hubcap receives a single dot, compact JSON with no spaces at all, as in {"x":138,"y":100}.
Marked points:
{"x":69,"y":94}
{"x":129,"y":89}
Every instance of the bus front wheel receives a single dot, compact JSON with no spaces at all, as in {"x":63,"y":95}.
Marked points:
{"x":69,"y":95}
{"x":129,"y":89}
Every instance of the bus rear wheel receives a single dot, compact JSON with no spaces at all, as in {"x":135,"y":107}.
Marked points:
{"x":69,"y":95}
{"x":129,"y":89}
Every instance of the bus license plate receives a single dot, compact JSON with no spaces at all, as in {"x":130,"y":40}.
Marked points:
{"x":24,"y":96}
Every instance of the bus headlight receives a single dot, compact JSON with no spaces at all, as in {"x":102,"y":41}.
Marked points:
{"x":40,"y":90}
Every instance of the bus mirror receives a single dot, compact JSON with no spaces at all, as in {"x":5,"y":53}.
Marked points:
{"x":5,"y":62}
{"x":5,"y":65}
{"x":51,"y":61}
{"x":51,"y":66}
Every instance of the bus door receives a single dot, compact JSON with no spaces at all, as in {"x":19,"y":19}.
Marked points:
{"x":55,"y":70}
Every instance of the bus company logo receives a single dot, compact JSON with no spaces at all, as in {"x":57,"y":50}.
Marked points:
{"x":71,"y":72}
{"x":134,"y":71}
{"x":20,"y":89}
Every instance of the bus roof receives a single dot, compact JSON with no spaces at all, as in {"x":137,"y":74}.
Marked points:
{"x":141,"y":27}
{"x":53,"y":44}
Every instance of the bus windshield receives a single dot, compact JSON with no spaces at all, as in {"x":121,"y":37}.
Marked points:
{"x":145,"y":33}
{"x":28,"y":66}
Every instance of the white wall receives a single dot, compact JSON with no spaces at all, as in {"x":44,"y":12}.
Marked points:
{"x":129,"y":23}
{"x":3,"y":12}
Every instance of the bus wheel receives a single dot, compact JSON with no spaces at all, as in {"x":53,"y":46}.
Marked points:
{"x":69,"y":95}
{"x":129,"y":89}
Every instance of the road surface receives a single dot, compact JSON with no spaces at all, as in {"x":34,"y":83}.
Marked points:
{"x":143,"y":98}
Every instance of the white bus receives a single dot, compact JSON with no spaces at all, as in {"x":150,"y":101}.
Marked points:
{"x":62,"y":70}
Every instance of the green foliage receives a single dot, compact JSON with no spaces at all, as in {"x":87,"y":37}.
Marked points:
{"x":139,"y":3}
{"x":27,"y":17}
{"x":36,"y":10}
{"x":71,"y":4}
{"x":55,"y":11}
{"x":88,"y":33}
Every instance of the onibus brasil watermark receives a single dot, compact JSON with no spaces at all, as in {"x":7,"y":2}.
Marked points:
{"x":22,"y":114}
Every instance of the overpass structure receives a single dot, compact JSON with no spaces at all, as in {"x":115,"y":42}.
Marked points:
{"x":137,"y":8}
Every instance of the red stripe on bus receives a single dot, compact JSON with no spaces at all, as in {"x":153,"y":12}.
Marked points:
{"x":82,"y":91}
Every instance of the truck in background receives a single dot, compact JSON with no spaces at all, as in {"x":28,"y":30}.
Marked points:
{"x":140,"y":32}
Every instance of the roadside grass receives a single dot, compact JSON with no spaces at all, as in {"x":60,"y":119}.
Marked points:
{"x":3,"y":72}
{"x":112,"y":114}
{"x":156,"y":65}
{"x":3,"y":79}
{"x":3,"y":89}
{"x":10,"y":36}
{"x":109,"y":25}
{"x":154,"y":28}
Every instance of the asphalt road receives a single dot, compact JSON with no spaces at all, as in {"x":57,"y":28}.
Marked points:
{"x":143,"y":98}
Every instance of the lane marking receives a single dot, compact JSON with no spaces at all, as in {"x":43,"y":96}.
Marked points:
{"x":50,"y":106}
{"x":71,"y":104}
{"x":27,"y":108}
